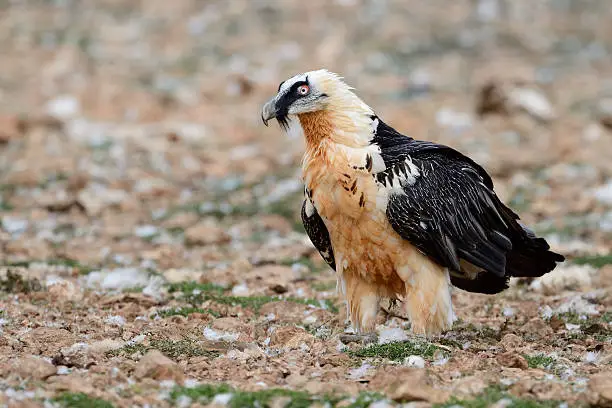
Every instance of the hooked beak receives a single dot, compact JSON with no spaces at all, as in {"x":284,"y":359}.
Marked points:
{"x":268,"y":111}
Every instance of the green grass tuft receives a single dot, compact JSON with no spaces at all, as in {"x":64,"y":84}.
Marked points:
{"x":485,"y":331}
{"x":242,"y":399}
{"x":365,"y":399}
{"x":256,"y":302}
{"x":186,"y":311}
{"x":197,"y":293}
{"x":398,"y":351}
{"x":571,"y":317}
{"x":128,"y":350}
{"x":16,"y":283}
{"x":589,"y":324}
{"x":135,"y":289}
{"x":324,"y":286}
{"x":4,"y":206}
{"x":80,"y":400}
{"x":491,"y":396}
{"x":248,"y":302}
{"x":450,"y":343}
{"x":190,"y":287}
{"x":69,"y":263}
{"x":298,"y":399}
{"x":540,"y":361}
{"x":596,"y":261}
{"x":203,"y":393}
{"x":182,"y":348}
{"x":172,"y":349}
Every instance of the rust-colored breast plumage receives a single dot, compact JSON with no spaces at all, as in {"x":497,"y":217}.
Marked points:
{"x":347,"y":197}
{"x":372,"y":260}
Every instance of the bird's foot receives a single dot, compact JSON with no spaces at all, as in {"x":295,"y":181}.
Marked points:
{"x":366,"y":338}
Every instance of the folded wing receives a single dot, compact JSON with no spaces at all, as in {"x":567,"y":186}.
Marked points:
{"x":317,"y":231}
{"x":444,"y":204}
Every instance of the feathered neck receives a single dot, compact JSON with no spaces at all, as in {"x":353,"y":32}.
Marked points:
{"x":346,"y":120}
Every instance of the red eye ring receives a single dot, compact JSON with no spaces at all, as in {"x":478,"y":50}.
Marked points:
{"x":303,"y":89}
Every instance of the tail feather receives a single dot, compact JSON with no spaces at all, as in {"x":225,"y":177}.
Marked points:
{"x":531,"y":256}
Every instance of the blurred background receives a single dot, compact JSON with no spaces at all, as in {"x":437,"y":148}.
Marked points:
{"x":117,"y":113}
{"x":144,"y":204}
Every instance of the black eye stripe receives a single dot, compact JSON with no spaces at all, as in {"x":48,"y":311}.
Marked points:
{"x":287,"y":99}
{"x":295,"y":86}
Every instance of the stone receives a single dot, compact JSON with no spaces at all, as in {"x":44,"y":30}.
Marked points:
{"x":276,"y":222}
{"x":532,"y":101}
{"x":74,"y":382}
{"x":28,"y":248}
{"x":78,"y":355}
{"x":206,"y":233}
{"x":9,"y":128}
{"x":77,"y":182}
{"x":315,"y":387}
{"x":605,"y":276}
{"x":407,"y":384}
{"x":175,"y":275}
{"x":334,"y":359}
{"x":233,"y":325}
{"x":539,"y":390}
{"x":62,"y":290}
{"x":512,"y":360}
{"x":284,"y":312}
{"x":270,"y":275}
{"x":468,"y":386}
{"x":182,"y":220}
{"x":91,"y":202}
{"x":63,"y":107}
{"x":537,"y":327}
{"x":48,"y":340}
{"x":600,"y":389}
{"x":566,"y":277}
{"x":291,"y":337}
{"x":105,"y":345}
{"x":280,"y":402}
{"x":33,"y":367}
{"x":56,"y":201}
{"x":511,"y":341}
{"x":414,"y":361}
{"x":157,"y":366}
{"x":296,"y":380}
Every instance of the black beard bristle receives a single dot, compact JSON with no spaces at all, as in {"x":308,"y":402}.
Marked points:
{"x":283,"y":121}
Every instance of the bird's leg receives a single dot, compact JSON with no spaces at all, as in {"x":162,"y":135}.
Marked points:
{"x":362,"y":303}
{"x":428,"y":301}
{"x":389,"y":310}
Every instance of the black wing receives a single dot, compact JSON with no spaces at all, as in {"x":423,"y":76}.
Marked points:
{"x":317,"y":232}
{"x":447,"y":208}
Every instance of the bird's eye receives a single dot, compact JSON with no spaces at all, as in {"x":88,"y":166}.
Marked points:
{"x":303,"y":89}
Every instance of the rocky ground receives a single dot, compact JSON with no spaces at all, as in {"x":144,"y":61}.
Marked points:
{"x":151,"y":252}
